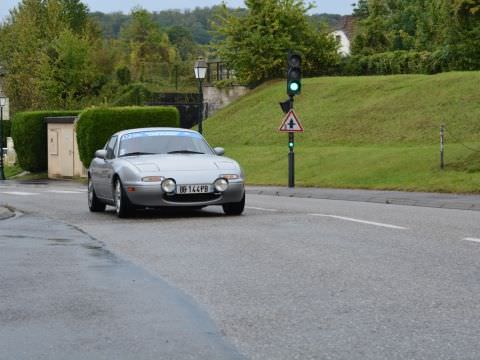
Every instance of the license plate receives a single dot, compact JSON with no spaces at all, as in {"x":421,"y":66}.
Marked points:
{"x":193,"y":189}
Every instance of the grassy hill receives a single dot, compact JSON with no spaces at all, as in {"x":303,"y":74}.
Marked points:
{"x":360,"y":132}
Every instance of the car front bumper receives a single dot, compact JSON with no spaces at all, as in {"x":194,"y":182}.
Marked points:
{"x":151,"y":195}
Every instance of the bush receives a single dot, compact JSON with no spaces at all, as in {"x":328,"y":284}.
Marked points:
{"x":398,"y":62}
{"x":7,"y":127}
{"x":29,"y":132}
{"x":95,"y":126}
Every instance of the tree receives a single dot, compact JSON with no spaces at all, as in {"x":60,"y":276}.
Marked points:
{"x":27,"y":38}
{"x":150,"y":54}
{"x":66,"y":72}
{"x":255,"y":43}
{"x":182,"y":39}
{"x":361,"y":10}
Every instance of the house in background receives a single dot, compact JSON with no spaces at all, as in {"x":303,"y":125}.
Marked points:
{"x":344,"y":33}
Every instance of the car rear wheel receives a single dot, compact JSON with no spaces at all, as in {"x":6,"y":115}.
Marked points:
{"x":123,"y":208}
{"x":234,"y":208}
{"x":94,"y":203}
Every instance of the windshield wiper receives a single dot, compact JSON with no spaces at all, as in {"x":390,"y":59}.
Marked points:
{"x":137,"y":153}
{"x":184,"y":152}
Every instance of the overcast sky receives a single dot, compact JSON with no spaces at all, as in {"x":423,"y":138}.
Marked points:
{"x":323,"y":6}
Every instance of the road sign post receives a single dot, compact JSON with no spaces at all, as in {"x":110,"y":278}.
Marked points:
{"x":291,"y":124}
{"x":291,"y":153}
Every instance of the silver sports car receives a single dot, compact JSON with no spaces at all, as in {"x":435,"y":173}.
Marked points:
{"x":160,"y":167}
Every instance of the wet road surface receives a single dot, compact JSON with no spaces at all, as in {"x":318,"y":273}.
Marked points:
{"x":64,"y":296}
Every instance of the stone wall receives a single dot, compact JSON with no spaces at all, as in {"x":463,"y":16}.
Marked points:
{"x":219,"y":98}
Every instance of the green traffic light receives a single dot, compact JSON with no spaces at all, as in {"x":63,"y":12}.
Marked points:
{"x":290,"y":144}
{"x":294,"y":86}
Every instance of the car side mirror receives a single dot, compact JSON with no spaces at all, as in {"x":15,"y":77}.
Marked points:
{"x":219,"y":151}
{"x":101,"y":154}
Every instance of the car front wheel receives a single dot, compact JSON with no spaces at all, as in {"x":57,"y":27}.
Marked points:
{"x":123,"y":208}
{"x":94,"y":203}
{"x":234,"y":208}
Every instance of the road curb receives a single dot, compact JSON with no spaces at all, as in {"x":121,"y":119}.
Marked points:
{"x":5,"y":213}
{"x":433,"y":200}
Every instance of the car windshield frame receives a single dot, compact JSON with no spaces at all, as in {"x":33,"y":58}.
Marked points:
{"x":201,"y":143}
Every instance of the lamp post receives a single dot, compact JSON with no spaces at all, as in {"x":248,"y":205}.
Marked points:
{"x":3,"y":102}
{"x":200,"y":70}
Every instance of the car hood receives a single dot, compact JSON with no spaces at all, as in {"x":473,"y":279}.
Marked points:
{"x":181,"y":162}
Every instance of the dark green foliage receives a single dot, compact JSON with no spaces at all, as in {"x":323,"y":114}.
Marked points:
{"x":124,"y":76}
{"x":182,"y":39}
{"x":318,"y":20}
{"x":136,"y":94}
{"x":96,"y":125}
{"x":29,"y":132}
{"x":196,"y":21}
{"x":398,"y":62}
{"x":448,"y":30}
{"x":111,"y":23}
{"x":7,"y":126}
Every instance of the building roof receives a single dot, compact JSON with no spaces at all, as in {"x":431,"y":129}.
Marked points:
{"x":347,"y":24}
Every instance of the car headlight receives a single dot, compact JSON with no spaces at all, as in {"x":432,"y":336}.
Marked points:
{"x":169,"y":185}
{"x":221,"y":184}
{"x":153,"y":178}
{"x":230,"y":176}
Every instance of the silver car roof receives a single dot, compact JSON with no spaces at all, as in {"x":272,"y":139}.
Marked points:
{"x":128,"y":131}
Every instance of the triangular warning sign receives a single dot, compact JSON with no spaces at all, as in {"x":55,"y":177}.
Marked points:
{"x":291,"y":123}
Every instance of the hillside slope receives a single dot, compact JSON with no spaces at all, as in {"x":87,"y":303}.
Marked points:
{"x":368,"y":132}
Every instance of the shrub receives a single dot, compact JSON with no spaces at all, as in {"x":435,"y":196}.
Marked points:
{"x":29,"y":132}
{"x":399,"y":62}
{"x":7,"y":126}
{"x":95,"y":126}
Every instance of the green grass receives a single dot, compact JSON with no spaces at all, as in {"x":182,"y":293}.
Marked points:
{"x":12,"y":170}
{"x":410,"y":168}
{"x":360,"y":132}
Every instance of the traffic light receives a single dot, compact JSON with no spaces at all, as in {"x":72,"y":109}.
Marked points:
{"x":294,"y":74}
{"x":291,"y":144}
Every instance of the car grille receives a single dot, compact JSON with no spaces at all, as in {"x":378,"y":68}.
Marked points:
{"x":191,"y":198}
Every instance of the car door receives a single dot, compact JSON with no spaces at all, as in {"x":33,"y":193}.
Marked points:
{"x":104,"y":171}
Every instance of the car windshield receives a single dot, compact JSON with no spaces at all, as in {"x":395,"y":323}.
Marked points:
{"x":163,"y":142}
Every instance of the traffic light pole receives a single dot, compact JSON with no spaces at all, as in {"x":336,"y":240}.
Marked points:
{"x":2,"y":174}
{"x":291,"y":154}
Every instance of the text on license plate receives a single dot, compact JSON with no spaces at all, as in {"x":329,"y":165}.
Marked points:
{"x":193,"y":189}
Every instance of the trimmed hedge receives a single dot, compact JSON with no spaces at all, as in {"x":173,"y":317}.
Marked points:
{"x":29,"y":133}
{"x":96,"y":125}
{"x":7,"y":127}
{"x":399,"y":62}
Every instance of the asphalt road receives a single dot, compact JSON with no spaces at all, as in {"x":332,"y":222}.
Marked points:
{"x":300,"y":278}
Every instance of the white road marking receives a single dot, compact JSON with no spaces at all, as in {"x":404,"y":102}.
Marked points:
{"x":471,"y":239}
{"x":362,"y":221}
{"x":65,"y":192}
{"x":261,"y":209}
{"x":20,"y":193}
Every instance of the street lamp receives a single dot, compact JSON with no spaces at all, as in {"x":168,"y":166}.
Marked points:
{"x":200,"y":70}
{"x":3,"y":102}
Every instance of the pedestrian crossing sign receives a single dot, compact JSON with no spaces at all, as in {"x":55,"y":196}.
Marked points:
{"x":291,"y":123}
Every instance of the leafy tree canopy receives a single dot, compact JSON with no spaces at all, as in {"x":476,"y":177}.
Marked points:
{"x":255,"y":43}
